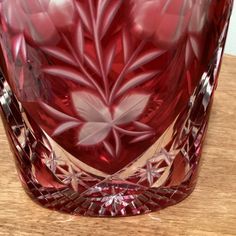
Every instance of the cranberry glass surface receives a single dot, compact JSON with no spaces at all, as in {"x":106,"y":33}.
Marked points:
{"x":106,"y":102}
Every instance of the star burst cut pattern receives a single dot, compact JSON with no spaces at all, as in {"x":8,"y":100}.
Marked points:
{"x":155,"y":167}
{"x":73,"y":177}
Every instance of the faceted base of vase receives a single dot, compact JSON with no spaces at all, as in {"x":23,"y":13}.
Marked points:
{"x":121,"y":201}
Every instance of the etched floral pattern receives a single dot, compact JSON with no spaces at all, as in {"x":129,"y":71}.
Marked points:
{"x":90,"y":105}
{"x":174,"y":21}
{"x":110,"y":78}
{"x":38,"y":20}
{"x":100,"y":121}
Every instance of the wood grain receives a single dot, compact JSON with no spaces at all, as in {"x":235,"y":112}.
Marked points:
{"x":210,"y":210}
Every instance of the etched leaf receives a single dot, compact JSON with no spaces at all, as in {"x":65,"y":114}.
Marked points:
{"x":92,"y":64}
{"x":142,"y":126}
{"x":90,"y":107}
{"x":127,"y":44}
{"x":109,"y":148}
{"x":59,"y":54}
{"x":145,"y":58}
{"x":102,"y":4}
{"x":65,"y":126}
{"x":117,"y":142}
{"x":19,"y":46}
{"x":108,"y":18}
{"x":109,"y":56}
{"x":84,"y":16}
{"x":195,"y":46}
{"x":130,"y":108}
{"x":131,"y":132}
{"x":188,"y":53}
{"x":79,"y":36}
{"x":93,"y":132}
{"x":67,"y":73}
{"x":141,"y":138}
{"x":23,"y":49}
{"x":136,"y":81}
{"x":55,"y":113}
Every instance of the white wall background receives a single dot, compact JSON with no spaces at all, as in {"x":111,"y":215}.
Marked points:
{"x":231,"y":41}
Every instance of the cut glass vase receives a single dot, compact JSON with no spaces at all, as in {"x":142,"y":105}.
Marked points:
{"x":106,"y":102}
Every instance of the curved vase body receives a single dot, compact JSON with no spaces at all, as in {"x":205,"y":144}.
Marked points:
{"x":106,"y":102}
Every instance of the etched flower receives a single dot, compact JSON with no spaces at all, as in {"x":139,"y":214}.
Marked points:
{"x":167,"y":21}
{"x":101,"y":120}
{"x":39,"y":19}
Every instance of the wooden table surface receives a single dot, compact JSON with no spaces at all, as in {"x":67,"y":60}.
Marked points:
{"x":210,"y":210}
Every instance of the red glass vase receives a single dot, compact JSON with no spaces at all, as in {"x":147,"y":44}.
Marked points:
{"x":106,"y":102}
